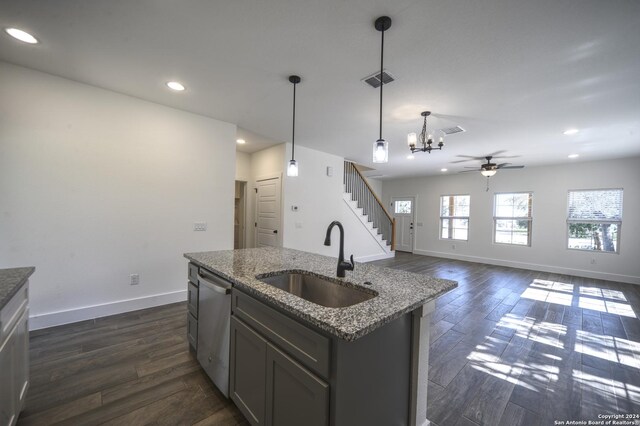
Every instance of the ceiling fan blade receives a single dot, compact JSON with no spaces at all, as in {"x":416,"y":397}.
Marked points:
{"x":502,"y":165}
{"x":467,"y":171}
{"x":471,"y":167}
{"x":511,"y":167}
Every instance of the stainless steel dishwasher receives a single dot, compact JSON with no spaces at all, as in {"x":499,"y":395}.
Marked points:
{"x":214,"y":316}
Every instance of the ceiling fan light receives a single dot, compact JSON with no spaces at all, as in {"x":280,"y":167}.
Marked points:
{"x":487,"y":172}
{"x":412,"y":139}
{"x":292,"y":169}
{"x":380,"y":151}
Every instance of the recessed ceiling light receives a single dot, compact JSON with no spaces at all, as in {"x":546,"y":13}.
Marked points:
{"x":443,"y":170}
{"x":21,"y":35}
{"x":174,"y":85}
{"x":410,"y":157}
{"x":570,"y":132}
{"x":574,"y":155}
{"x":241,"y":141}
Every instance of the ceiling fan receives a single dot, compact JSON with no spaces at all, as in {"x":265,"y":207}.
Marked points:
{"x":482,"y":157}
{"x":489,"y":169}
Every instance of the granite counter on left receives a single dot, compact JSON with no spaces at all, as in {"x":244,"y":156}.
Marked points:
{"x":12,"y":280}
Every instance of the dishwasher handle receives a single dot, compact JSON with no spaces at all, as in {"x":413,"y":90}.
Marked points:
{"x":216,"y":284}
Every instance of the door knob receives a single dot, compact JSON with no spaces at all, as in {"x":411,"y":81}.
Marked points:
{"x":275,"y":231}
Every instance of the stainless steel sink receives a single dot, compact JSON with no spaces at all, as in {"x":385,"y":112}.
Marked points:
{"x":321,"y":291}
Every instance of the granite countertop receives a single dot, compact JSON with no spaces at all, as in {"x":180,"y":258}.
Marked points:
{"x":398,"y":291}
{"x":11,"y":280}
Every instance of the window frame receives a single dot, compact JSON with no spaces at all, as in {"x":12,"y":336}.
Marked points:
{"x":527,"y":218}
{"x":452,"y":218}
{"x":618,"y":223}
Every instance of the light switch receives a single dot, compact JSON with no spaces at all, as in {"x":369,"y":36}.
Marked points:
{"x":329,"y":171}
{"x":200,"y":226}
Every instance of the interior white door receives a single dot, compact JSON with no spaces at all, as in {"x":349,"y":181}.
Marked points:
{"x":267,"y":223}
{"x":403,"y":212}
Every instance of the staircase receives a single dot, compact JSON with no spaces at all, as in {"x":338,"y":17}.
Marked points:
{"x":368,"y":207}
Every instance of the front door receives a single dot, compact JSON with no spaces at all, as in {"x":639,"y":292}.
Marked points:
{"x":268,"y":212}
{"x":403,"y":212}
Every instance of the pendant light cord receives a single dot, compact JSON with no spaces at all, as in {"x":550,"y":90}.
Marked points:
{"x":293,"y":132}
{"x":381,"y":80}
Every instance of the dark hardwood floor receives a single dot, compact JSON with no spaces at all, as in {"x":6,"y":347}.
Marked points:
{"x":508,"y":347}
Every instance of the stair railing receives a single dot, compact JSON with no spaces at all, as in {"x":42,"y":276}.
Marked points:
{"x":368,"y":201}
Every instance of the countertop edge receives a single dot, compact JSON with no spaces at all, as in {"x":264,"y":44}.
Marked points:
{"x":15,"y":283}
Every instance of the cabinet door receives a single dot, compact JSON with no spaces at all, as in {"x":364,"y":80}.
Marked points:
{"x":248,"y":371}
{"x":8,"y":393}
{"x":192,"y":331}
{"x":192,"y":299}
{"x":21,"y":361}
{"x":295,"y":396}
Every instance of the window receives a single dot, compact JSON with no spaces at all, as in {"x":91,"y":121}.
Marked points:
{"x":403,"y":207}
{"x":594,"y":219}
{"x":512,"y":218}
{"x":454,"y":217}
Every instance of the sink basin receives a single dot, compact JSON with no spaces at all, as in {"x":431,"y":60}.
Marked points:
{"x":321,"y":291}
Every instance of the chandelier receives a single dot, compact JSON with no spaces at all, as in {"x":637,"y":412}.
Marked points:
{"x":426,"y":139}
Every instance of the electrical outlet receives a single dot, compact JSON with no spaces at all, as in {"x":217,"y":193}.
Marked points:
{"x":200,"y":226}
{"x":134,"y":279}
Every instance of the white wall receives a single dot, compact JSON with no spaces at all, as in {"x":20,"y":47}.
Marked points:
{"x":319,"y":200}
{"x":548,"y":248}
{"x":376,"y":185}
{"x":243,"y":166}
{"x":95,"y":186}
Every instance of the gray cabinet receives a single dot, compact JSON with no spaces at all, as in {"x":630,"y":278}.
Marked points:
{"x":192,"y":306}
{"x":269,"y":385}
{"x":285,"y":372}
{"x":14,"y":357}
{"x":247,"y":381}
{"x":294,"y":395}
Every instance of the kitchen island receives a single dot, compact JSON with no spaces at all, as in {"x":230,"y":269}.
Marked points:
{"x":361,"y":364}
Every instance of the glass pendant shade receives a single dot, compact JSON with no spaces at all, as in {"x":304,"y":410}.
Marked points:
{"x":488,"y":173}
{"x":292,"y":170}
{"x":412,"y":139}
{"x":380,"y":151}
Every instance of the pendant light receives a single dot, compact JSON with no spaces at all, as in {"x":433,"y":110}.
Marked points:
{"x":292,"y":169}
{"x":381,"y":147}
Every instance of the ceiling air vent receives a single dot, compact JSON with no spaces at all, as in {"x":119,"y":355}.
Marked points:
{"x":373,"y":80}
{"x":452,"y":130}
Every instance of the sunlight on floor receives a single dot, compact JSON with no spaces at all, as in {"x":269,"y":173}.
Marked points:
{"x":614,"y":349}
{"x":593,"y":298}
{"x":533,"y":375}
{"x":544,"y":332}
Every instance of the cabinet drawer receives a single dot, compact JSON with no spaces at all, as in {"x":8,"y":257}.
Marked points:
{"x":192,"y":331}
{"x":305,"y":345}
{"x":12,"y":311}
{"x":192,"y":299}
{"x":193,"y":273}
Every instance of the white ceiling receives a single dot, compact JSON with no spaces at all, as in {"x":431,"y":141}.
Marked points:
{"x":513,"y":73}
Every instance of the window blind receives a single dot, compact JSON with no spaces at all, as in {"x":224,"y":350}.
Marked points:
{"x":595,"y":205}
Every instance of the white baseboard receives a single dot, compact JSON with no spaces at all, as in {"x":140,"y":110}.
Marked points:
{"x":52,"y":319}
{"x":372,"y":257}
{"x":535,"y":267}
